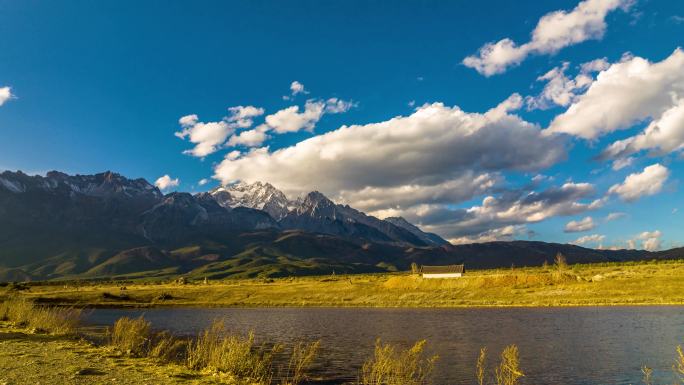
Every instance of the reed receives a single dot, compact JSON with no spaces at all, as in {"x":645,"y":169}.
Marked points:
{"x":131,"y":336}
{"x":25,"y":313}
{"x":391,"y":365}
{"x":508,"y":372}
{"x":217,"y":350}
{"x":302,"y":357}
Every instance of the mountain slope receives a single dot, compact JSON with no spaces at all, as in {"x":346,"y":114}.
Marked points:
{"x":316,"y":213}
{"x":107,"y":226}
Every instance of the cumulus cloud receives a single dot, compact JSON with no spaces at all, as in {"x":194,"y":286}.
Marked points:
{"x":250,"y":138}
{"x":620,"y":163}
{"x":650,"y":240}
{"x":554,"y":31}
{"x":594,"y":239}
{"x":290,"y":119}
{"x":512,"y":208}
{"x":433,"y":145}
{"x":5,"y":94}
{"x":648,"y":182}
{"x":628,"y":92}
{"x":375,"y":200}
{"x":506,"y":233}
{"x":210,"y":137}
{"x":242,"y":116}
{"x":207,"y":137}
{"x":584,"y":224}
{"x":661,"y":136}
{"x":560,"y":90}
{"x":166,"y":182}
{"x":338,"y":106}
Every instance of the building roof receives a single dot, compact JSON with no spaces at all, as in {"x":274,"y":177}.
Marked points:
{"x":447,"y":269}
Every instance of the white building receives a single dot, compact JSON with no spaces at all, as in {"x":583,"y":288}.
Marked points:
{"x":448,"y":271}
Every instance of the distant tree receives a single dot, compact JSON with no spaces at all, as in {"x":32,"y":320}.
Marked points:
{"x":414,"y":268}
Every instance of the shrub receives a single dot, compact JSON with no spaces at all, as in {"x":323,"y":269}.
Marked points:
{"x":303,"y":355}
{"x":216,"y":350}
{"x":54,"y":320}
{"x":390,"y":366}
{"x":131,"y":336}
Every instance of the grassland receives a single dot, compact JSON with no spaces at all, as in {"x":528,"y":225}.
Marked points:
{"x":633,"y":283}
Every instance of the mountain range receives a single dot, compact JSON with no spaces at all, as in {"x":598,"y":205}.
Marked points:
{"x":105,"y":226}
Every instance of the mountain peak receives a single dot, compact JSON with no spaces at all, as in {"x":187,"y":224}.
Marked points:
{"x":257,"y":195}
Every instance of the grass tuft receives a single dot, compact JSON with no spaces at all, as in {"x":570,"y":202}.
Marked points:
{"x":393,"y":366}
{"x":303,"y":356}
{"x":508,"y":372}
{"x":217,"y":350}
{"x":26,"y":313}
{"x":131,"y":336}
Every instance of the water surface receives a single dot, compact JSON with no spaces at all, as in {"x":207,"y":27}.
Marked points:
{"x":564,"y":346}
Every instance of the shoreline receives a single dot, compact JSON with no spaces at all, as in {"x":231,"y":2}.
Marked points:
{"x":608,"y":285}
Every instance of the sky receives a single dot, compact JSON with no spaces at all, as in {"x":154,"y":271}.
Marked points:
{"x":560,"y":121}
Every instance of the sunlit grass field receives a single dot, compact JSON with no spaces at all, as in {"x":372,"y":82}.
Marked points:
{"x":633,"y":283}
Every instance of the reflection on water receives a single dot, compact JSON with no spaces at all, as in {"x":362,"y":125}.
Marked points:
{"x":568,"y":346}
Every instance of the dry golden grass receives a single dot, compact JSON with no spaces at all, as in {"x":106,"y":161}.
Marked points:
{"x":637,"y":283}
{"x":301,"y":359}
{"x":25,"y":313}
{"x":131,"y":336}
{"x":393,"y":366}
{"x":218,"y":351}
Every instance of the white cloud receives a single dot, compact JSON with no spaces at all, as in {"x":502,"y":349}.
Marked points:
{"x":374,"y":200}
{"x":338,"y":106}
{"x":594,"y":239}
{"x":203,"y":181}
{"x":506,"y":233}
{"x":291,"y":120}
{"x":561,"y":90}
{"x":207,"y":137}
{"x":661,"y":136}
{"x":554,"y":31}
{"x":166,"y":182}
{"x":250,"y":138}
{"x":297,"y":88}
{"x":242,"y":116}
{"x":628,"y":92}
{"x":584,"y":224}
{"x":509,"y":209}
{"x":615,"y":216}
{"x":620,"y":163}
{"x":650,"y":240}
{"x":210,"y":137}
{"x":433,"y":145}
{"x":5,"y":94}
{"x":648,"y":182}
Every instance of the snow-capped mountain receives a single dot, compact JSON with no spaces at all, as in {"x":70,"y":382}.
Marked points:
{"x":107,"y":184}
{"x":316,"y":213}
{"x":258,"y":195}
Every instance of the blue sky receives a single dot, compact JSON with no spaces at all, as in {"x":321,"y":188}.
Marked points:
{"x":101,"y":86}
